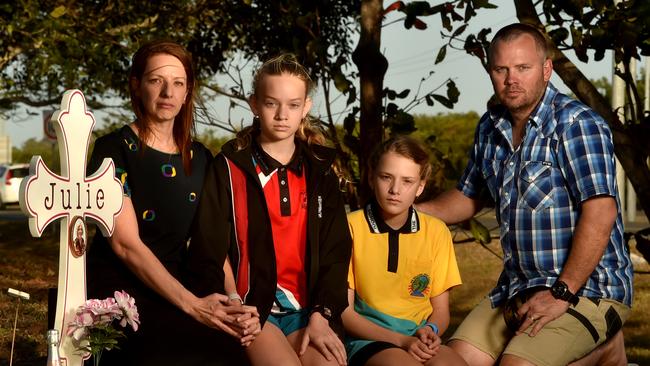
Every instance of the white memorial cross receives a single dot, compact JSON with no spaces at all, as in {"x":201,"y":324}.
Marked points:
{"x":74,"y":197}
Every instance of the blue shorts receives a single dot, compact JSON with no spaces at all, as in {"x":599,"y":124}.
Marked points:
{"x":290,"y":322}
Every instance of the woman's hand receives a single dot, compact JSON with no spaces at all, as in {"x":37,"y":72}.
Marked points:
{"x":319,"y":333}
{"x":215,"y":311}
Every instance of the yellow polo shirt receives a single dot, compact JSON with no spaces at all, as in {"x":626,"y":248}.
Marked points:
{"x":395,"y":272}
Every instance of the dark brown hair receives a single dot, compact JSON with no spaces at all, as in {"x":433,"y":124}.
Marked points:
{"x":407,"y":147}
{"x":513,"y":31}
{"x":285,"y":63}
{"x":184,"y":129}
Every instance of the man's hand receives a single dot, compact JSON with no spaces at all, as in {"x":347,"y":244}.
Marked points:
{"x":319,"y":333}
{"x":540,"y":309}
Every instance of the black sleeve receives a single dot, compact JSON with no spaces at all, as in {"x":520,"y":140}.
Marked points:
{"x":109,"y":146}
{"x":211,"y":231}
{"x":335,"y":249}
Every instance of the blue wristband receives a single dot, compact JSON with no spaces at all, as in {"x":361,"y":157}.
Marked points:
{"x":433,"y":327}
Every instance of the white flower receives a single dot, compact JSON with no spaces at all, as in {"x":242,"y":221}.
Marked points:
{"x":129,"y":311}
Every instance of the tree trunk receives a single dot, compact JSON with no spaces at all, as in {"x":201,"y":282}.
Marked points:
{"x":372,"y":67}
{"x":629,"y":141}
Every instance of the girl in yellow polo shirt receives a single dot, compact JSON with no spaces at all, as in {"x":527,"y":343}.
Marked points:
{"x":402,"y":268}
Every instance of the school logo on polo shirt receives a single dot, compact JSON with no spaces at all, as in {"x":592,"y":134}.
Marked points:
{"x":419,"y":286}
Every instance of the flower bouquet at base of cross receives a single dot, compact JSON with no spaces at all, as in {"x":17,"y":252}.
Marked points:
{"x":92,"y":329}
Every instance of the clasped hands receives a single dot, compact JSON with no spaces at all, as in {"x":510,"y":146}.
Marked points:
{"x":220,"y":312}
{"x":423,"y":345}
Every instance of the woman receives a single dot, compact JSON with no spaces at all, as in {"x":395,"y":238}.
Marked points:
{"x":162,"y":171}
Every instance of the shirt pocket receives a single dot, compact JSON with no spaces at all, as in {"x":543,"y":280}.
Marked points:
{"x":417,"y":278}
{"x":536,"y":185}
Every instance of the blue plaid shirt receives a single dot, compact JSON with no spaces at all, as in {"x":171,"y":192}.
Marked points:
{"x":565,"y":157}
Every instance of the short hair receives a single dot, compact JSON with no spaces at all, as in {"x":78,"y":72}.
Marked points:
{"x":515,"y":30}
{"x":407,"y":147}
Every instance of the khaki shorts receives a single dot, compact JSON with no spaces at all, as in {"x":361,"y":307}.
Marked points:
{"x":565,"y":339}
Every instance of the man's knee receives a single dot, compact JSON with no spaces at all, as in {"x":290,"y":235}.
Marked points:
{"x":610,"y":353}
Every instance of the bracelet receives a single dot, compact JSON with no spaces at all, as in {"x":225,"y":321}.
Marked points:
{"x":431,"y":325}
{"x":322,"y":310}
{"x":235,"y":296}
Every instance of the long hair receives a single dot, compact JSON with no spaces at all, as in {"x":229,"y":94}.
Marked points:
{"x":407,"y":147}
{"x":308,"y":131}
{"x":184,"y":129}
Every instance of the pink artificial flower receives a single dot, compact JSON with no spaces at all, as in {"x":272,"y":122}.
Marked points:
{"x":128,"y":309}
{"x":79,"y":326}
{"x":104,"y":311}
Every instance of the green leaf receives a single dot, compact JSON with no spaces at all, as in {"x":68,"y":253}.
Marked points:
{"x":352,"y":95}
{"x":452,"y":91}
{"x":441,"y":54}
{"x":341,"y":82}
{"x":428,"y":99}
{"x":58,"y":11}
{"x":480,"y":233}
{"x":349,"y":123}
{"x":390,"y":93}
{"x":403,"y":94}
{"x":442,"y":100}
{"x":460,"y":30}
{"x":559,"y":35}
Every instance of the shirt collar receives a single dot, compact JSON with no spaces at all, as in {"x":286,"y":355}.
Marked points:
{"x":267,"y":164}
{"x":377,"y":225}
{"x":541,"y":113}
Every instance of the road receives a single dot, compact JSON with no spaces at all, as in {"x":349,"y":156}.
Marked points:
{"x":12,"y":214}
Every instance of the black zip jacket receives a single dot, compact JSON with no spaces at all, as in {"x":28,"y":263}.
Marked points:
{"x":328,"y":237}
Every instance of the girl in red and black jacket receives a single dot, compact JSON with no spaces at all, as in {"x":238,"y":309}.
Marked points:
{"x":271,"y":228}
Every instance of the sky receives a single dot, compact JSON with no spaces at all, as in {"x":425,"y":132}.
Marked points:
{"x":411,"y":55}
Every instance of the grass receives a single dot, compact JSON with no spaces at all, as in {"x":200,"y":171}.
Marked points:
{"x":30,"y":264}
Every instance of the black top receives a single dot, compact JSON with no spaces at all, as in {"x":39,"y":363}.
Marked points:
{"x":165,"y":200}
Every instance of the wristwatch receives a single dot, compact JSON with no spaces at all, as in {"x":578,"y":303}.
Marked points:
{"x":560,"y":291}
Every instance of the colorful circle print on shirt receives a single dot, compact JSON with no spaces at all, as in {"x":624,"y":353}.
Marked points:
{"x":168,"y":170}
{"x":149,"y":215}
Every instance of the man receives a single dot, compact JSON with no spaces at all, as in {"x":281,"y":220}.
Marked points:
{"x":547,"y":162}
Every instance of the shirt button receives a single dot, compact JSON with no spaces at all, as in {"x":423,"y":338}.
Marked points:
{"x":511,"y":163}
{"x":284,"y":199}
{"x":282,"y":182}
{"x":281,"y":169}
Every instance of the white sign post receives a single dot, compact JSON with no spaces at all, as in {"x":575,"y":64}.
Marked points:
{"x":73,"y":197}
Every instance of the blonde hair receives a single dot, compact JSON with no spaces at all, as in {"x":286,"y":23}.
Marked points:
{"x":286,"y":63}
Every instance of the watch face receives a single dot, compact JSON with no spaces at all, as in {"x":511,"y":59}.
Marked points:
{"x":559,"y":290}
